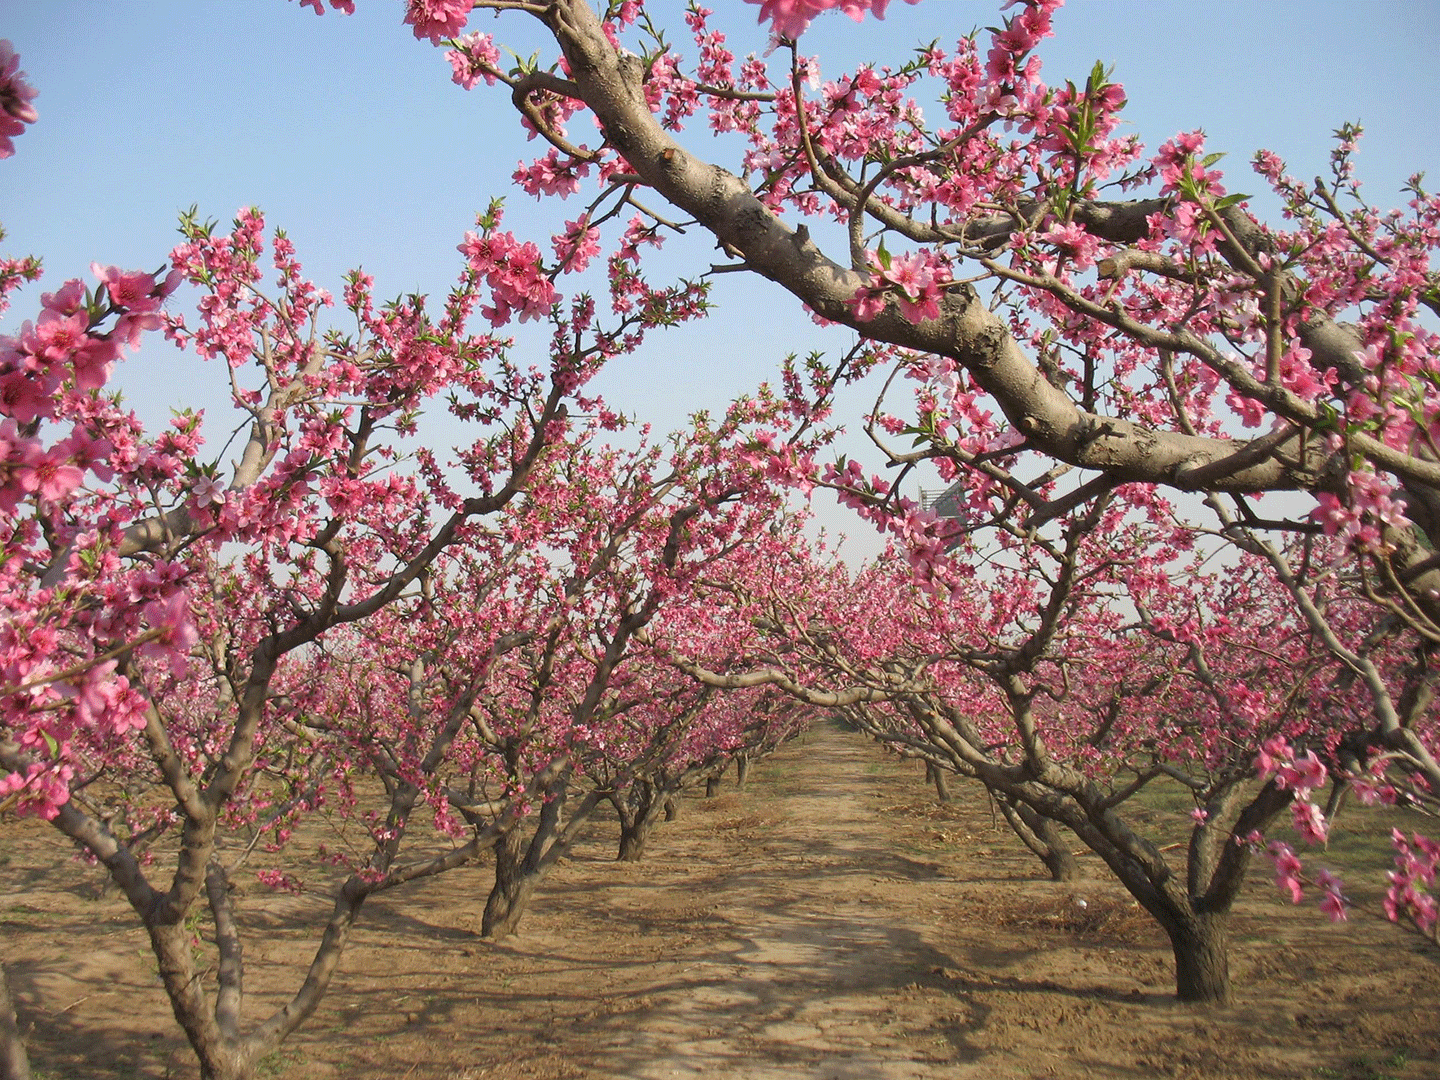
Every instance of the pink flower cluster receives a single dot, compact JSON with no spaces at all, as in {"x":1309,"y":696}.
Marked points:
{"x":231,"y":311}
{"x":279,"y":881}
{"x":1182,"y":171}
{"x":1416,"y":861}
{"x":437,"y":19}
{"x":1289,"y":876}
{"x":576,"y":246}
{"x":474,"y":57}
{"x":64,"y":352}
{"x":41,"y":789}
{"x":789,"y":18}
{"x":916,"y":281}
{"x":1371,"y":505}
{"x":513,"y":270}
{"x":15,"y":97}
{"x":345,"y":7}
{"x":1301,"y":775}
{"x":1021,"y":34}
{"x":549,"y":175}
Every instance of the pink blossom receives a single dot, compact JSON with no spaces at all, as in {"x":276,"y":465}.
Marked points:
{"x":1250,"y":411}
{"x":475,"y":57}
{"x":1333,"y":903}
{"x":789,"y":18}
{"x":1304,"y":775}
{"x":916,"y":280}
{"x":66,"y":300}
{"x":1287,"y":869}
{"x":1371,"y":789}
{"x":94,"y":361}
{"x":88,"y":453}
{"x":279,"y":880}
{"x":55,"y":337}
{"x":42,"y":790}
{"x":437,"y":19}
{"x":49,"y":475}
{"x":15,"y":97}
{"x":1274,"y":752}
{"x":24,"y":397}
{"x":576,"y":246}
{"x":133,"y":290}
{"x":170,"y":616}
{"x":208,"y":491}
{"x":1309,"y":821}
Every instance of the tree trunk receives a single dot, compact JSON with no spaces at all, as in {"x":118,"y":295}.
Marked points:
{"x":14,"y":1064}
{"x":1056,"y":857}
{"x":1202,"y":959}
{"x":638,"y":819}
{"x":936,"y":775}
{"x":742,"y":770}
{"x":712,"y":783}
{"x":521,"y":863}
{"x":1042,"y":836}
{"x":228,"y":1065}
{"x":220,"y":1058}
{"x":508,"y":896}
{"x":634,"y":837}
{"x":672,"y":806}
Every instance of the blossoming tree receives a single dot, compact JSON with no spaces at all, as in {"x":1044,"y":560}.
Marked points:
{"x":167,"y":612}
{"x":1079,"y":317}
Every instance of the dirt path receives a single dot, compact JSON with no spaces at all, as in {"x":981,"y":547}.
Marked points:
{"x":830,"y":922}
{"x":792,"y":990}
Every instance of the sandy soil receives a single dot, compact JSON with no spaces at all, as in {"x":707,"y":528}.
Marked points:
{"x":830,"y":922}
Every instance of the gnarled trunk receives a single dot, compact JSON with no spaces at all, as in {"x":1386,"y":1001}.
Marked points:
{"x":634,"y":838}
{"x":14,"y":1064}
{"x":712,"y":783}
{"x":1202,"y":958}
{"x":1042,"y":836}
{"x":640,"y":809}
{"x":742,"y":771}
{"x":220,"y":1058}
{"x":936,"y":775}
{"x":521,"y":865}
{"x":511,"y":891}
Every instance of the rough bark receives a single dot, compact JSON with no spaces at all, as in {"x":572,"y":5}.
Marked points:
{"x":521,"y":864}
{"x":1043,"y":837}
{"x":14,"y":1063}
{"x":742,"y":771}
{"x":511,"y":891}
{"x":640,"y":809}
{"x":1202,"y":958}
{"x":936,"y":775}
{"x":634,"y":838}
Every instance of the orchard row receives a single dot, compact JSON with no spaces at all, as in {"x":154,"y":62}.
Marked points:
{"x":461,"y":655}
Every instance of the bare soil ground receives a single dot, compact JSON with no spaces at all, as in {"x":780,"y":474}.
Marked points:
{"x":830,"y":922}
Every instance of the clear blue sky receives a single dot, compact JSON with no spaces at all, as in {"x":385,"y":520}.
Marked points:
{"x":348,"y":133}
